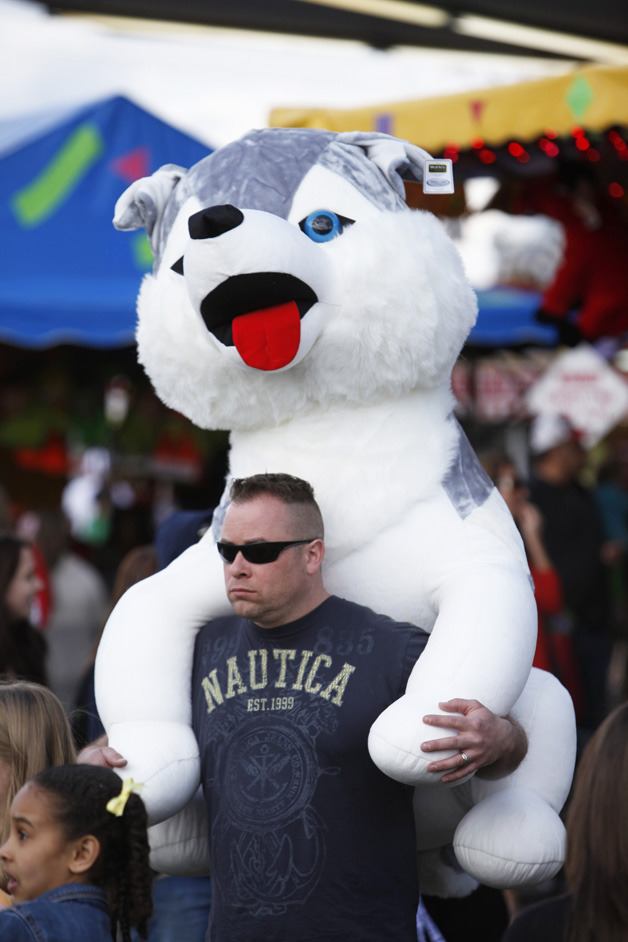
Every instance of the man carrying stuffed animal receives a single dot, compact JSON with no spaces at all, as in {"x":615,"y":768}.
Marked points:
{"x":308,"y":839}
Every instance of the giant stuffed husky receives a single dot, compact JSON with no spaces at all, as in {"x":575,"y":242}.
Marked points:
{"x":298,"y":302}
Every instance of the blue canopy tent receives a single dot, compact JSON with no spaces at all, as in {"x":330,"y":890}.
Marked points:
{"x":66,"y":275}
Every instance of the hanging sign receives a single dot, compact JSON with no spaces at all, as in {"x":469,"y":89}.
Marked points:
{"x":582,"y":386}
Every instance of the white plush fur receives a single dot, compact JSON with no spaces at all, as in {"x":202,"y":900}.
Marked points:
{"x":383,"y":336}
{"x":364,"y":413}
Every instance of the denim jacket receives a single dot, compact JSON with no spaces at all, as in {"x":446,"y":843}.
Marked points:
{"x":76,"y":912}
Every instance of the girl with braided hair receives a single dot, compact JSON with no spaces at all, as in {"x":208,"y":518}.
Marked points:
{"x":76,"y":860}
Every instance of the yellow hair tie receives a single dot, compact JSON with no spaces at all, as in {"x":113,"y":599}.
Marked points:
{"x":118,"y":804}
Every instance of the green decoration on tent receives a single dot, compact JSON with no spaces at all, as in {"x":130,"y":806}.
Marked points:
{"x":579,"y":96}
{"x":142,"y":252}
{"x":36,"y":202}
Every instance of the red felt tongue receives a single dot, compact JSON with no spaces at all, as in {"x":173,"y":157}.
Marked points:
{"x":268,"y":339}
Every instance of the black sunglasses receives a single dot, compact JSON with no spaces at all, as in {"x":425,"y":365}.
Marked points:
{"x":258,"y":553}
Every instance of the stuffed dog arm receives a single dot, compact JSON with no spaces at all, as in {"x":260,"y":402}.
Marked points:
{"x":143,"y":671}
{"x":486,"y":617}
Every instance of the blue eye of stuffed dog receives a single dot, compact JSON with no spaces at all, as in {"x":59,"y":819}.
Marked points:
{"x":322,"y":225}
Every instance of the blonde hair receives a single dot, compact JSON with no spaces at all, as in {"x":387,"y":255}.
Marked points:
{"x":34,"y":735}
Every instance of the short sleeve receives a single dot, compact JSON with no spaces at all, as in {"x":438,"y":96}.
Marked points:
{"x":414,"y":649}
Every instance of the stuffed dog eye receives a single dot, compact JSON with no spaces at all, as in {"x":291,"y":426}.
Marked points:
{"x":323,"y":225}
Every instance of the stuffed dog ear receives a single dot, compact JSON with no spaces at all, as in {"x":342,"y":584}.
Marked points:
{"x":397,"y":159}
{"x":143,"y":202}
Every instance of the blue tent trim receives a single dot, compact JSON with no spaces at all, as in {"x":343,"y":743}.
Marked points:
{"x":506,"y":319}
{"x":66,"y":275}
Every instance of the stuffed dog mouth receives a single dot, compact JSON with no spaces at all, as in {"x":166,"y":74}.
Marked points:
{"x":260,"y":315}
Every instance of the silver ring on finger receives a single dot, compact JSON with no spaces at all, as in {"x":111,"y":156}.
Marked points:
{"x":465,"y":758}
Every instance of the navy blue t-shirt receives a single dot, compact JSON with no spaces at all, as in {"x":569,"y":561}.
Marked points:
{"x":308,"y":839}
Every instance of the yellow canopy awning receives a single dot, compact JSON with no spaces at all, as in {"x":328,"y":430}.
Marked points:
{"x":591,"y":97}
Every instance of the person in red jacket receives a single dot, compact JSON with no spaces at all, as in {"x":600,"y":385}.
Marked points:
{"x":588,"y":297}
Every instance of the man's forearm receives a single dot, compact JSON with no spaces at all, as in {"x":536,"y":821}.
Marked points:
{"x":513,"y":750}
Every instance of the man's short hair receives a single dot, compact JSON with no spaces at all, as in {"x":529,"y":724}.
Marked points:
{"x":286,"y":488}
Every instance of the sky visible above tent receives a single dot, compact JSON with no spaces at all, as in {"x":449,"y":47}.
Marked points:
{"x":65,"y":274}
{"x":217,"y":83}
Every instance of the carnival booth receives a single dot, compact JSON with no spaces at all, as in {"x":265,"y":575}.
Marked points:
{"x":478,"y":128}
{"x":67,"y":278}
{"x":543,"y":143}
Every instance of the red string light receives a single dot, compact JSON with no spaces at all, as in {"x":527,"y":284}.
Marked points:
{"x":616,"y":190}
{"x":582,"y":143}
{"x":487,"y":156}
{"x":548,"y":147}
{"x":452,"y":153}
{"x":478,"y":143}
{"x":517,"y":151}
{"x":593,"y":155}
{"x":551,"y":134}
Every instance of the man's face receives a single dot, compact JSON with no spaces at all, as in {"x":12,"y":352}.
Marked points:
{"x":269,"y":594}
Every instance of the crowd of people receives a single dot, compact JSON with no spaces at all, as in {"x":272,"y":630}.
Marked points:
{"x":75,"y":845}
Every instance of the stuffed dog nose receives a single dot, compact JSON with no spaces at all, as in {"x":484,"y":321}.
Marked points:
{"x":214,"y":221}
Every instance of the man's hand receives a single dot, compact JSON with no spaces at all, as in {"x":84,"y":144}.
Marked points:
{"x":483,"y":740}
{"x":99,"y":753}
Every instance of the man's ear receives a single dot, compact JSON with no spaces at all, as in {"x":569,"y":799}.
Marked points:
{"x":85,"y":853}
{"x":315,"y":552}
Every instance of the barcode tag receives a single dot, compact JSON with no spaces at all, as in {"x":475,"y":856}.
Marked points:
{"x":438,"y":176}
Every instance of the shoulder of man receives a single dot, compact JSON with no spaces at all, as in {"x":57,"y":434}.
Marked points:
{"x":216,"y":628}
{"x":220,"y":623}
{"x":376,"y":619}
{"x":398,"y":645}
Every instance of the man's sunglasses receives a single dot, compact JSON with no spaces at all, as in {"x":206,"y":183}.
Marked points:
{"x":258,"y":553}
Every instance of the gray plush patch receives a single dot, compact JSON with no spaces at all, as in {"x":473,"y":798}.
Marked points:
{"x":352,"y":163}
{"x":466,"y":483}
{"x":262,"y":170}
{"x":218,"y":518}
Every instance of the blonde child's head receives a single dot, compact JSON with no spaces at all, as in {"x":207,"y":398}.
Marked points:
{"x":34,"y":734}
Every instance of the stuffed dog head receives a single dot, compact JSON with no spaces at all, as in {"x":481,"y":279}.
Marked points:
{"x":290,"y":275}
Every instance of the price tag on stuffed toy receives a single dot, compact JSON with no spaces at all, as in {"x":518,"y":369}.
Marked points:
{"x":438,"y":176}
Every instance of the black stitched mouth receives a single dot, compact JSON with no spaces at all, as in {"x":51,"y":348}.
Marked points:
{"x":247,"y":294}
